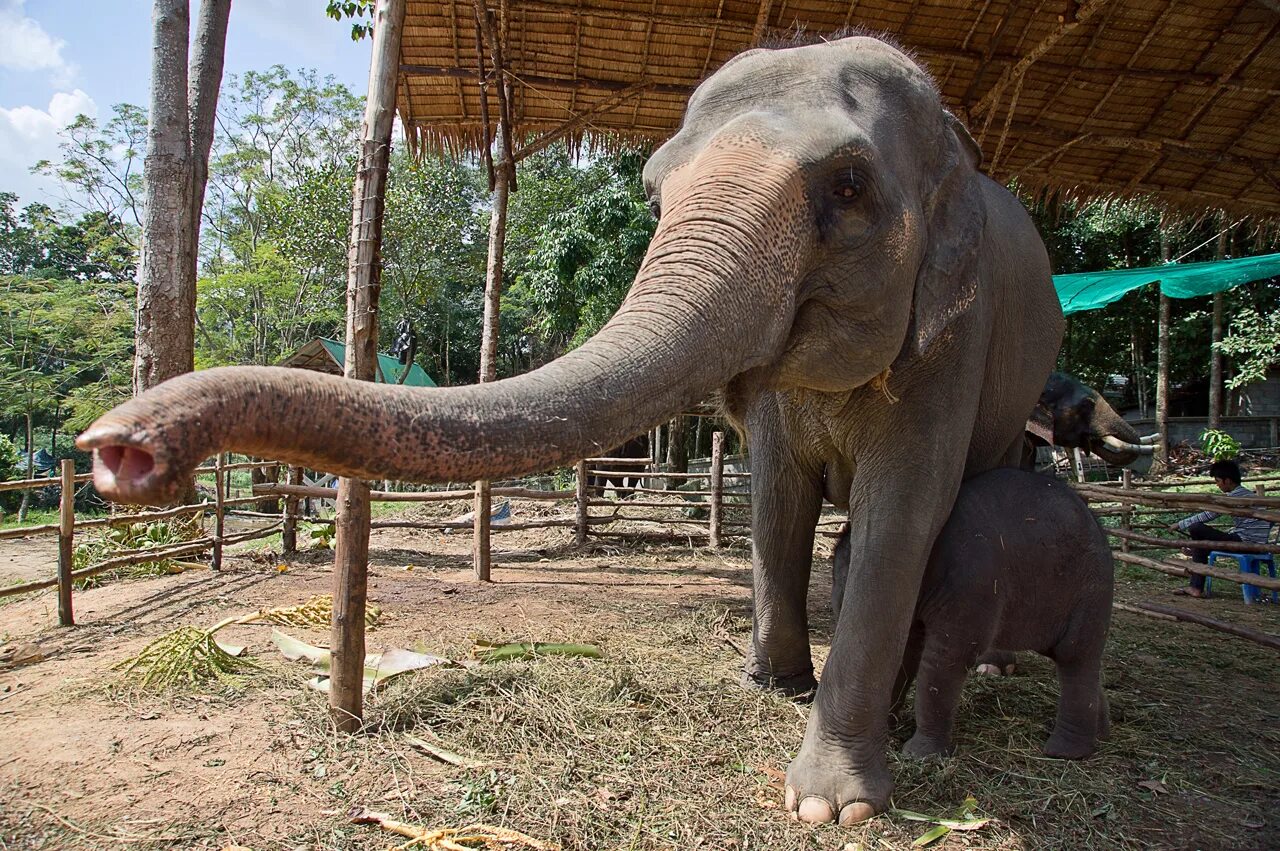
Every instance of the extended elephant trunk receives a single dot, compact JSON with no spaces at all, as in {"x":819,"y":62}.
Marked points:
{"x":711,"y":301}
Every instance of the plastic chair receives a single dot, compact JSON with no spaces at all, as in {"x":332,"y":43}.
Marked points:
{"x":1249,"y":563}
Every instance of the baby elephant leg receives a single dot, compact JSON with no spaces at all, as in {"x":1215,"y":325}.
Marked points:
{"x":1082,"y":709}
{"x":943,"y":668}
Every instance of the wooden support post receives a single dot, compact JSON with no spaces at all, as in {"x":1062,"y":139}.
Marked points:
{"x":1162,"y":361}
{"x":364,"y":279}
{"x":220,"y":482}
{"x":1078,"y":459}
{"x":580,"y":503}
{"x":717,"y":486}
{"x":289,"y":527}
{"x":1126,"y":517}
{"x":66,"y":542}
{"x":1215,"y":356}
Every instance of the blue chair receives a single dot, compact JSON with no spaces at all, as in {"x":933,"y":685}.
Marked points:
{"x":1249,"y":563}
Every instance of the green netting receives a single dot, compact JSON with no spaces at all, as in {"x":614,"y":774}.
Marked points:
{"x":1093,"y":290}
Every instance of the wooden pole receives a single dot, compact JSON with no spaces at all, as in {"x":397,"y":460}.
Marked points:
{"x":364,"y":279}
{"x":580,"y":504}
{"x":1157,"y":610}
{"x":66,"y":542}
{"x":220,"y":482}
{"x":289,"y":531}
{"x":1126,"y":517}
{"x":1162,"y":360}
{"x":717,"y":486}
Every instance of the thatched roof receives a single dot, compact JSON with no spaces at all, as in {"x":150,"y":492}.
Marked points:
{"x":1172,"y":100}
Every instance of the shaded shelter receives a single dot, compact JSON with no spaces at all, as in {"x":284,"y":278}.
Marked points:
{"x":1101,"y":98}
{"x":325,"y":355}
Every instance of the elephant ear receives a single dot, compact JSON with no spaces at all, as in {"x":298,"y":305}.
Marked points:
{"x":955,"y":215}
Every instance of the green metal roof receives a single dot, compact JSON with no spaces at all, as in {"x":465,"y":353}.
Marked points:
{"x":329,"y":356}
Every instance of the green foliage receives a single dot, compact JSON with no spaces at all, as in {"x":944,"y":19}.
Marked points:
{"x":158,"y":534}
{"x":1253,"y":344}
{"x":580,"y":234}
{"x":11,"y":468}
{"x":357,"y":9}
{"x":1219,"y":445}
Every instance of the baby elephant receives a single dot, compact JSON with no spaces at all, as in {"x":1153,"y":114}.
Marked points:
{"x":1021,"y":565}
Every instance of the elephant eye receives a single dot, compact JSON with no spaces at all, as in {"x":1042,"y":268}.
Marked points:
{"x":849,"y":188}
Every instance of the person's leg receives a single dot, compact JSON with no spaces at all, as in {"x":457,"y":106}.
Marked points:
{"x":1204,"y":532}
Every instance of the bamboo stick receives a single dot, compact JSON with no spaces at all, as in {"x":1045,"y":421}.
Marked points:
{"x":1244,"y":506}
{"x":27,"y":484}
{"x":1126,"y":513}
{"x":66,"y":543}
{"x":26,"y":531}
{"x":1189,"y":568}
{"x":626,"y":462}
{"x":1178,"y":543}
{"x":1169,"y":612}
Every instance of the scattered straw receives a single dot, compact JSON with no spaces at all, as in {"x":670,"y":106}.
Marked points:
{"x":473,"y":837}
{"x":187,"y":655}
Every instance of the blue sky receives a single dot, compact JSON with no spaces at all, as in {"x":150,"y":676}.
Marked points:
{"x":59,"y":58}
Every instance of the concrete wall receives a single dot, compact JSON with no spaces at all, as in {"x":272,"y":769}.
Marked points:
{"x":1252,"y":432}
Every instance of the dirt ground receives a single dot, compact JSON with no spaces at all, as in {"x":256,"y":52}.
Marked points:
{"x":653,"y":746}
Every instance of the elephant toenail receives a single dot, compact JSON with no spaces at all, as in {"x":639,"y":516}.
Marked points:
{"x":789,"y":799}
{"x":856,"y":812}
{"x":815,"y":810}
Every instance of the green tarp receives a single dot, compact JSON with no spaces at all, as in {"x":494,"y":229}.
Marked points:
{"x":389,"y":368}
{"x":1093,"y":290}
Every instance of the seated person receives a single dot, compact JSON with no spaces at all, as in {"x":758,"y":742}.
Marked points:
{"x":1226,"y":475}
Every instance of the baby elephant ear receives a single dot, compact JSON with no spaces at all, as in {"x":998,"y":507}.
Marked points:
{"x":947,"y":283}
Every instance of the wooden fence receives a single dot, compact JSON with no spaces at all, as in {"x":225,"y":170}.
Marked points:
{"x":1137,"y":545}
{"x":65,"y":530}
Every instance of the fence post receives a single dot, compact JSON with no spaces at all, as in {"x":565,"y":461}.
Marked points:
{"x":219,"y":509}
{"x":580,"y":502}
{"x":66,"y":550}
{"x":717,"y":485}
{"x":481,"y":553}
{"x":289,"y":528}
{"x":1126,"y":516}
{"x":1079,"y":464}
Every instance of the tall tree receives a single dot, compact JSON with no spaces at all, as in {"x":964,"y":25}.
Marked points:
{"x":179,"y":135}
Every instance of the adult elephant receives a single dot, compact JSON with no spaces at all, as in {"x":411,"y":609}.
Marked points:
{"x":879,"y":314}
{"x":1071,"y":413}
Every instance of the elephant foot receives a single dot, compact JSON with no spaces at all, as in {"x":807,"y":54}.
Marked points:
{"x":824,"y":785}
{"x":801,"y":686}
{"x":920,"y":746}
{"x":1065,"y":746}
{"x":997,"y":663}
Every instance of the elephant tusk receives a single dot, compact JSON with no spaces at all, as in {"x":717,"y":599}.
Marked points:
{"x":1149,"y":439}
{"x":1115,"y":444}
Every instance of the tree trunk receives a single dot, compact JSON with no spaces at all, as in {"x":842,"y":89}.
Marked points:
{"x":677,"y":452}
{"x":1215,"y":357}
{"x":25,"y":505}
{"x":1162,"y":365}
{"x":202,"y":103}
{"x":166,"y":300}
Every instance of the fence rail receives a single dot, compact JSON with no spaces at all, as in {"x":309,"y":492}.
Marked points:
{"x":1124,"y":499}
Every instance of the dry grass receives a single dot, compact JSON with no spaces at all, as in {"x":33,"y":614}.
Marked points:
{"x":656,"y":746}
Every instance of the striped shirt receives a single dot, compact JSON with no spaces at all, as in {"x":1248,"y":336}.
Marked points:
{"x":1248,"y":528}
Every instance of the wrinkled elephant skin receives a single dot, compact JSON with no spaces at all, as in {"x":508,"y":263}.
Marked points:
{"x":879,"y":315}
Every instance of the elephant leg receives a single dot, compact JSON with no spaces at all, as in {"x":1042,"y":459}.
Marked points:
{"x":786,"y":498}
{"x":907,"y":672}
{"x":1082,"y":708}
{"x":943,"y":670}
{"x":841,"y":772}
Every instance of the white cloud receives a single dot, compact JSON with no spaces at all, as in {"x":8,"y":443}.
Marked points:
{"x":29,"y":134}
{"x":25,"y":46}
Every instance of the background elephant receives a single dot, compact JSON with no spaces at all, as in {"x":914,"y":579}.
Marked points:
{"x":636,"y":447}
{"x":1022,"y":564}
{"x":879,"y":315}
{"x":1071,"y":413}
